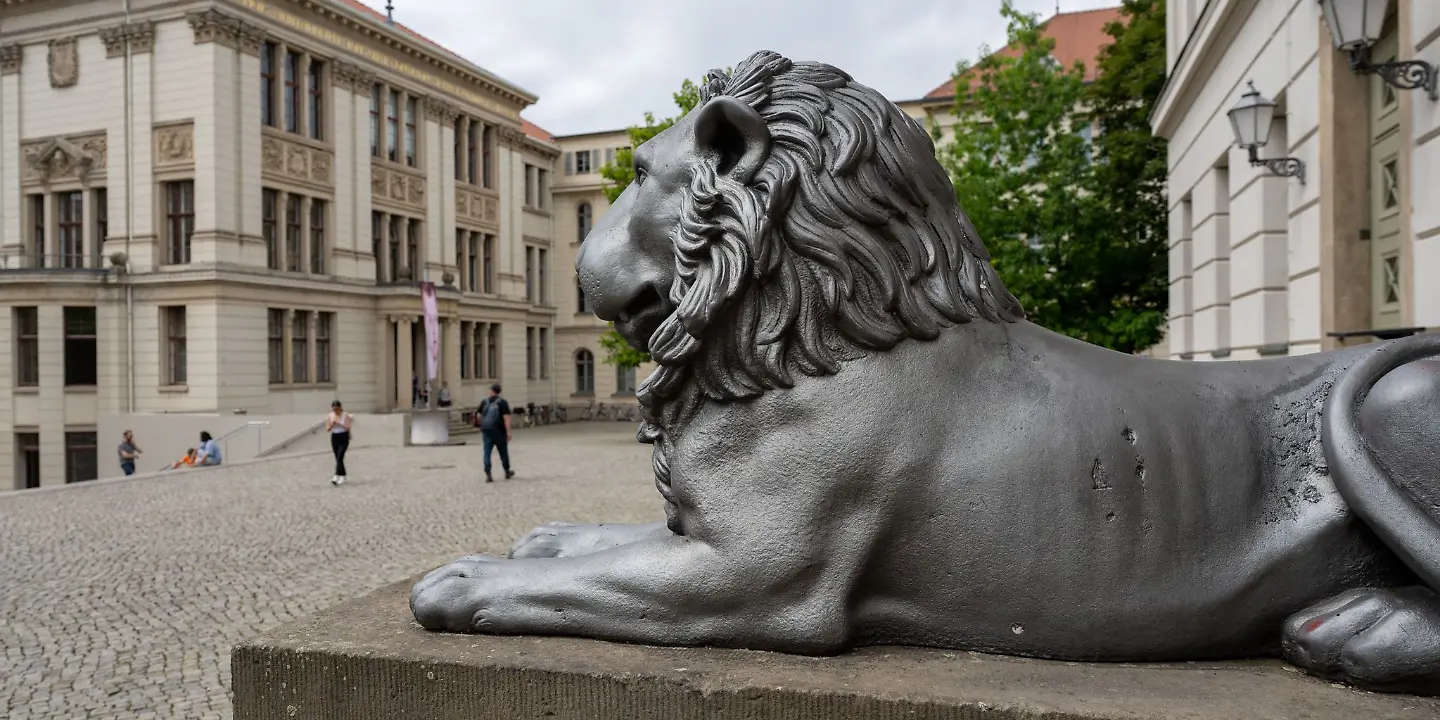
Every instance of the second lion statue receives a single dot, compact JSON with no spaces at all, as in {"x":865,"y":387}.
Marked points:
{"x":860,"y":440}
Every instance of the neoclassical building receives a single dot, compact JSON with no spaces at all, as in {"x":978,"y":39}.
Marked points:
{"x":217,"y":207}
{"x":1318,"y":235}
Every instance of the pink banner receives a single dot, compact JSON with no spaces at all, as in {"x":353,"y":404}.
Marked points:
{"x":432,"y":328}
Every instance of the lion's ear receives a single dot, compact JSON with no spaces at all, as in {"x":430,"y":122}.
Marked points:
{"x":736,"y":133}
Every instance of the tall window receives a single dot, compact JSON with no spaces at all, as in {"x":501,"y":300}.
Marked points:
{"x":582,"y":303}
{"x":541,"y":258}
{"x":583,"y":217}
{"x":476,"y":345}
{"x":375,"y":120}
{"x":179,"y":220}
{"x":542,"y":356}
{"x":292,"y":233}
{"x":624,"y":380}
{"x":392,"y":126}
{"x":292,"y":91}
{"x":473,"y":241}
{"x":173,"y":323}
{"x":316,"y":114}
{"x":27,"y":460}
{"x":530,"y":186}
{"x":584,"y":373}
{"x":412,"y":249}
{"x":322,"y":346}
{"x":37,"y":229}
{"x":377,"y":241}
{"x":27,"y":346}
{"x":487,"y":157}
{"x":466,"y":332}
{"x":489,"y":256}
{"x":102,"y":222}
{"x":269,"y":225}
{"x":582,"y":162}
{"x":299,"y":340}
{"x":529,"y":274}
{"x":397,"y":232}
{"x":410,"y":104}
{"x":267,"y":84}
{"x":529,"y":352}
{"x":80,"y":347}
{"x":492,"y":351}
{"x":317,"y":237}
{"x":81,"y":456}
{"x":471,"y":155}
{"x":276,"y":345}
{"x":70,"y":208}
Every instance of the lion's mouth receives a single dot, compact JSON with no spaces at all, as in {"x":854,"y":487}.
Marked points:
{"x":642,"y":317}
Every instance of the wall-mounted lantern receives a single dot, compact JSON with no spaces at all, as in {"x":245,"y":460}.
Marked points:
{"x":1250,"y":119}
{"x":1355,"y":27}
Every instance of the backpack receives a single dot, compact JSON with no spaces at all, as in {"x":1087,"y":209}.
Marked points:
{"x":489,"y":413}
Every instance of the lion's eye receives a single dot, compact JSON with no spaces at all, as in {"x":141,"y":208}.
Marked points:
{"x":640,"y":175}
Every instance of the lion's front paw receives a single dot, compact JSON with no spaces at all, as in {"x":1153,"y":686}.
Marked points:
{"x":563,"y":540}
{"x":1382,"y":640}
{"x":456,"y":597}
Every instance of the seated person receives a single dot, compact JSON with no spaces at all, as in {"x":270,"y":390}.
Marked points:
{"x":445,"y":399}
{"x":209,"y":453}
{"x":187,"y":461}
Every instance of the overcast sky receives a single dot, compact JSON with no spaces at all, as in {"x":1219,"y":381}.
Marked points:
{"x":599,"y":65}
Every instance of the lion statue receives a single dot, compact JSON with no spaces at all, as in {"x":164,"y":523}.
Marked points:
{"x":860,"y":440}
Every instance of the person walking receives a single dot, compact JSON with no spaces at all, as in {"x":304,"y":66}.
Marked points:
{"x":494,"y":415}
{"x":128,"y":453}
{"x":338,"y":423}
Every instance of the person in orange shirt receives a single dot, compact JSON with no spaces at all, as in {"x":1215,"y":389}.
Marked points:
{"x":187,"y":461}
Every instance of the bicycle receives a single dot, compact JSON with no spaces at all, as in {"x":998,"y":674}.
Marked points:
{"x":589,"y":411}
{"x":558,"y":412}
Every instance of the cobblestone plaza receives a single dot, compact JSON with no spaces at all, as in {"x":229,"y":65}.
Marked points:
{"x":123,"y":599}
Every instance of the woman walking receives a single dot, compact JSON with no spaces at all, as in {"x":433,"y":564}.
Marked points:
{"x":337,"y":423}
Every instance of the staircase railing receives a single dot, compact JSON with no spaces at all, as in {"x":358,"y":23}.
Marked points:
{"x":257,"y":425}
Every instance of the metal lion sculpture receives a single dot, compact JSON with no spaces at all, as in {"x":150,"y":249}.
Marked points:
{"x":860,"y":440}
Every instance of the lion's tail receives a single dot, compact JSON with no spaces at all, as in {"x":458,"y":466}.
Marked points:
{"x":1391,"y":513}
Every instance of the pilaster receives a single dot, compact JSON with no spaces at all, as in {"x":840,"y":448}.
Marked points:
{"x":217,"y":188}
{"x":10,"y":144}
{"x":52,"y":394}
{"x":404,"y":360}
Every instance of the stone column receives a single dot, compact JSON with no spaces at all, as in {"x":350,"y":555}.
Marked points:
{"x":404,"y":361}
{"x":247,"y":169}
{"x":384,"y":259}
{"x":450,"y":355}
{"x":1344,"y":287}
{"x":51,"y":405}
{"x":10,"y":160}
{"x":313,"y":369}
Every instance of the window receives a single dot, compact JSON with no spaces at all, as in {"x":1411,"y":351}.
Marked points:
{"x":102,"y":222}
{"x":292,"y":233}
{"x":377,"y":242}
{"x":530,"y":352}
{"x":179,"y":220}
{"x":27,"y":456}
{"x":70,"y":209}
{"x":412,"y":249}
{"x":315,"y":114}
{"x":624,"y":380}
{"x":530,"y":186}
{"x":582,"y":162}
{"x":267,"y":84}
{"x":392,"y":243}
{"x":487,"y":143}
{"x":410,"y":131}
{"x":276,"y":344}
{"x":27,"y":346}
{"x":584,"y":373}
{"x":173,"y":322}
{"x":375,"y":121}
{"x":583,"y":216}
{"x":541,"y":257}
{"x":292,"y":91}
{"x":470,"y":152}
{"x":474,"y":268}
{"x":476,"y":347}
{"x":317,"y":237}
{"x":542,"y":357}
{"x":299,"y":347}
{"x":529,"y":274}
{"x":322,"y":346}
{"x":270,"y":201}
{"x":542,"y":188}
{"x":37,"y":229}
{"x":80,"y":347}
{"x":609,"y":156}
{"x":582,"y":303}
{"x":81,"y":460}
{"x":465,"y":335}
{"x":492,"y":351}
{"x":392,"y":126}
{"x":489,"y":262}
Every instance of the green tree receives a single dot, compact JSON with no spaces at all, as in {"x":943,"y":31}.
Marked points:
{"x":1027,"y":174}
{"x":617,"y":176}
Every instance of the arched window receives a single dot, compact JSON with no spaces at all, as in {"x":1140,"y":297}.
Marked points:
{"x":584,"y":373}
{"x":583,"y":218}
{"x":624,"y":380}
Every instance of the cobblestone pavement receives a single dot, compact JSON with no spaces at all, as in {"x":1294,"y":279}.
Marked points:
{"x":123,"y":600}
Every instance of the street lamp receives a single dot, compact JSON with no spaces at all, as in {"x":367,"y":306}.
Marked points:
{"x":1250,"y":119}
{"x":1355,"y":27}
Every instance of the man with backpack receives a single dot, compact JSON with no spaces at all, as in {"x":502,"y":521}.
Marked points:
{"x":493,"y":416}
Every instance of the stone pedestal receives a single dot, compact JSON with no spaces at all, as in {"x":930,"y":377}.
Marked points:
{"x":368,"y":659}
{"x":430,"y":427}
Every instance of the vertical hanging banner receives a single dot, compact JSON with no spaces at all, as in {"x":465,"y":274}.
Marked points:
{"x":432,"y":328}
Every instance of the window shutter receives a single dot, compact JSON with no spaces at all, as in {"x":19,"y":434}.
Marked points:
{"x":569,"y":163}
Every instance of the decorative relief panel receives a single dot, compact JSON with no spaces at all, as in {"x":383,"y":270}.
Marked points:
{"x":59,"y":159}
{"x":441,"y":111}
{"x":511,"y":138}
{"x":397,"y":188}
{"x":140,"y":34}
{"x":476,"y":207}
{"x":351,"y":77}
{"x":284,"y":159}
{"x":175,"y":146}
{"x":64,"y":59}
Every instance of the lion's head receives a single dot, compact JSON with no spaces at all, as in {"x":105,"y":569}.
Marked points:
{"x":795,"y":219}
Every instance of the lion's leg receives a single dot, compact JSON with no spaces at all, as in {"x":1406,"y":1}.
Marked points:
{"x":667,"y":590}
{"x":560,"y":540}
{"x":1382,"y":640}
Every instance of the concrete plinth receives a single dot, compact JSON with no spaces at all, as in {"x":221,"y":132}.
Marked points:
{"x":429,"y":427}
{"x":368,"y":659}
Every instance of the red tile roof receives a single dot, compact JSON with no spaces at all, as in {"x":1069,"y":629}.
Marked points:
{"x":1078,"y":36}
{"x":530,"y":128}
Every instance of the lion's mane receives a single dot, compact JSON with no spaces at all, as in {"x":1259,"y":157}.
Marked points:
{"x":849,"y":239}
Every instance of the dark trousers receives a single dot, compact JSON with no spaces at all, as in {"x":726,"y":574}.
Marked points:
{"x":127,"y":467}
{"x":339,"y":443}
{"x":496,"y":439}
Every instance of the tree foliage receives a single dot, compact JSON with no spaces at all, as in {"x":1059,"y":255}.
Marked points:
{"x":1070,"y":224}
{"x":616,"y":177}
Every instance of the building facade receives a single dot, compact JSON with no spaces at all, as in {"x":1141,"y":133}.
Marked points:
{"x":1265,"y":264}
{"x":212,"y":207}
